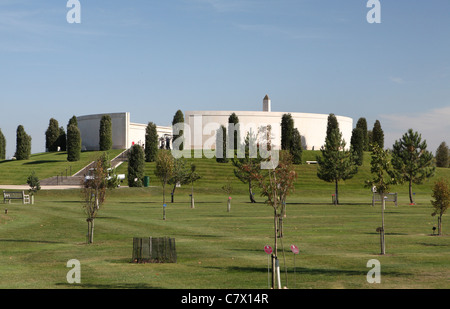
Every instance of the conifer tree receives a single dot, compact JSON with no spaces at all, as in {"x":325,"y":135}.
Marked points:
{"x":23,"y":144}
{"x":105,"y":133}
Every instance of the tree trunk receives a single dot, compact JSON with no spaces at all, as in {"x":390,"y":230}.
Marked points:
{"x":336,"y":199}
{"x":252,"y":200}
{"x":383,"y":244}
{"x":173,"y":192}
{"x":192,"y":197}
{"x":275,"y":247}
{"x":92,"y":232}
{"x":411,"y":201}
{"x":440,"y":225}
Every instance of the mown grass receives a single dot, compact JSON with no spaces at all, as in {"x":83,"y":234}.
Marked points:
{"x":46,"y":165}
{"x":217,"y":249}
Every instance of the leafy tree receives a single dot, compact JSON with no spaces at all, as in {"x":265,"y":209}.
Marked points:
{"x":73,"y":143}
{"x":384,"y":177}
{"x":193,"y":177}
{"x":23,"y":144}
{"x":336,"y":163}
{"x":442,"y":155}
{"x":362,"y":124}
{"x":378,"y":134}
{"x":441,"y":202}
{"x":296,"y":147}
{"x":94,"y":193}
{"x":276,"y":184}
{"x":180,"y":174}
{"x":105,"y":133}
{"x":163,"y":170}
{"x":33,"y":182}
{"x":247,"y":167}
{"x":51,"y":135}
{"x":2,"y":146}
{"x":411,"y":160}
{"x":178,"y":118}
{"x":221,"y":139}
{"x":151,"y":142}
{"x":136,"y":165}
{"x":357,"y":145}
{"x":287,"y":131}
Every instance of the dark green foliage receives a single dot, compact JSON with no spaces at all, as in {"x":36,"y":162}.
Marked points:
{"x":336,"y":163}
{"x":23,"y":144}
{"x":2,"y":146}
{"x":136,"y":165}
{"x":52,"y":135}
{"x":296,"y":147}
{"x":362,"y":124}
{"x":287,"y":131}
{"x":378,"y":134}
{"x":73,"y":143}
{"x":62,"y":139}
{"x":233,"y":119}
{"x":73,"y":121}
{"x":442,"y":155}
{"x":411,"y":160}
{"x":33,"y":182}
{"x":221,"y":138}
{"x":357,"y":145}
{"x":178,"y":118}
{"x":105,"y":133}
{"x":151,"y":142}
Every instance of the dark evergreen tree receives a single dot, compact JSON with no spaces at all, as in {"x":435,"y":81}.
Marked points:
{"x":357,"y":145}
{"x":362,"y":124}
{"x":23,"y":144}
{"x":151,"y":142}
{"x":411,"y":160}
{"x":287,"y":131}
{"x":378,"y":135}
{"x":105,"y":133}
{"x":296,"y":147}
{"x":52,"y":135}
{"x":233,"y":121}
{"x":136,"y":165}
{"x":2,"y":146}
{"x":442,"y":155}
{"x":73,"y":121}
{"x":336,"y":163}
{"x":73,"y":143}
{"x":62,"y":139}
{"x":221,"y":140}
{"x":178,"y":118}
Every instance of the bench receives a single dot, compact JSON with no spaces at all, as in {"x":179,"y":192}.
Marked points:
{"x":16,"y":195}
{"x":389,"y":197}
{"x":311,"y":162}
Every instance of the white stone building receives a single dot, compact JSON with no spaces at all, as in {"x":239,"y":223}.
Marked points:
{"x":201,"y":126}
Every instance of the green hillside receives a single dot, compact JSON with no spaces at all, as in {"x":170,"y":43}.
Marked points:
{"x":45,"y":165}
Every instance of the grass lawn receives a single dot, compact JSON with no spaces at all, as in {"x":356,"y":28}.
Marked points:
{"x":217,"y":249}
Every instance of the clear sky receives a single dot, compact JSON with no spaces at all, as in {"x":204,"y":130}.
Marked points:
{"x":153,"y":57}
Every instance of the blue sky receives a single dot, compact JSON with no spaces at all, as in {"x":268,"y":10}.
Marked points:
{"x":153,"y":57}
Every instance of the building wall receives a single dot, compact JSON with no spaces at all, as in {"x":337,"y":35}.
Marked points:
{"x":312,"y":127}
{"x":89,"y":126}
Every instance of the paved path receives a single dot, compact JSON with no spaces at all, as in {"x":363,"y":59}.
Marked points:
{"x":27,"y":187}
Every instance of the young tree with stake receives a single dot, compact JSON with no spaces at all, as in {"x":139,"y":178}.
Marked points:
{"x":383,"y":178}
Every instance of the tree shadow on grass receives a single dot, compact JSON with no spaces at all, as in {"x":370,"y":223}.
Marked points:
{"x":41,"y":162}
{"x":32,"y":241}
{"x":107,"y":286}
